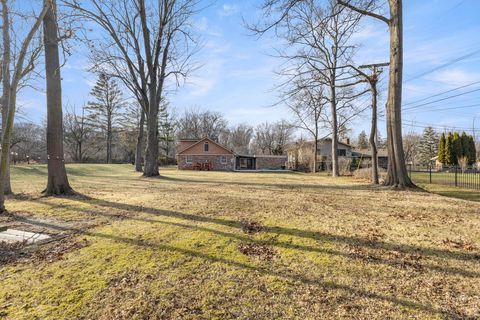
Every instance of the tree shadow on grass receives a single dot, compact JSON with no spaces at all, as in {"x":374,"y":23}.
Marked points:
{"x":287,"y":186}
{"x":452,"y":192}
{"x":353,"y":242}
{"x":260,"y":269}
{"x":350,"y":240}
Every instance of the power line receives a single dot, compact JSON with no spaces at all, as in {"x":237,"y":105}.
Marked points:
{"x":424,"y":125}
{"x":450,"y":108}
{"x":468,"y":55}
{"x":442,"y":93}
{"x":443,"y":99}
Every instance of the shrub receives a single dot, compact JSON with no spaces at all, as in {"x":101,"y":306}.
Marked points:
{"x":366,"y":174}
{"x":463,"y":163}
{"x":344,"y":166}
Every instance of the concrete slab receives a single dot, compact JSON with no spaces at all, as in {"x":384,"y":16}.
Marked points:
{"x":12,"y":236}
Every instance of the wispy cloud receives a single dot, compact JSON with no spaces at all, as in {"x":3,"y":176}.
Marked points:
{"x":228,"y":10}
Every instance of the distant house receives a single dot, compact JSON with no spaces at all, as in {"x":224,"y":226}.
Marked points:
{"x":206,"y":154}
{"x":300,"y":154}
{"x":365,"y":156}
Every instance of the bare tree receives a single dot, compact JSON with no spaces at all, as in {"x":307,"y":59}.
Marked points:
{"x":322,"y":35}
{"x":272,"y":138}
{"x":22,"y":66}
{"x":143,"y":44}
{"x":307,"y":105}
{"x":197,"y":124}
{"x":57,"y":183}
{"x":28,"y":141}
{"x":397,"y":169}
{"x":79,"y":136}
{"x":238,"y":138}
{"x":372,"y":80}
{"x":22,"y":46}
{"x":411,"y":142}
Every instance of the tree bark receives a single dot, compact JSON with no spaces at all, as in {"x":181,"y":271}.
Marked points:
{"x":151,"y":153}
{"x":7,"y":189}
{"x":139,"y":148}
{"x":397,"y":169}
{"x":373,"y":132}
{"x":57,"y":175}
{"x":315,"y":151}
{"x":333,"y":105}
{"x":109,"y":138}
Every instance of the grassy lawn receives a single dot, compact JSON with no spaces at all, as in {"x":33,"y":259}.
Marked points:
{"x":210,"y":245}
{"x":467,"y":180}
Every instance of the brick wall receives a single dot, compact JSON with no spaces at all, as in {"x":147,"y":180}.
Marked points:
{"x":271,"y":162}
{"x":215,"y":160}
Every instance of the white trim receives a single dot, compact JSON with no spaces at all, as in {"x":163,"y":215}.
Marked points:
{"x":186,"y":159}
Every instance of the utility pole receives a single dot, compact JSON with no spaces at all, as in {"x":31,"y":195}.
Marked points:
{"x":372,"y":80}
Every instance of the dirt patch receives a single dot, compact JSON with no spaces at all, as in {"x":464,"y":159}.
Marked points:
{"x":460,"y":244}
{"x":127,"y":296}
{"x":22,"y":252}
{"x":251,"y":226}
{"x":259,"y":251}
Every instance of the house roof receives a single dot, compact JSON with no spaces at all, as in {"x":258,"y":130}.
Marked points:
{"x":202,"y":140}
{"x":310,"y":142}
{"x":368,"y":152}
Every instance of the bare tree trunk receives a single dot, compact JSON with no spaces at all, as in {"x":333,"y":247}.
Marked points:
{"x":109,"y":138}
{"x":397,"y":170}
{"x":7,"y":189}
{"x":373,"y":134}
{"x":151,"y":153}
{"x":333,"y":105}
{"x":397,"y":167}
{"x":57,"y":175}
{"x":10,"y":96}
{"x":139,"y":148}
{"x":315,"y":151}
{"x":7,"y":135}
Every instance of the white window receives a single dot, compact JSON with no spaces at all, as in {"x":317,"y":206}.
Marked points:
{"x":223,"y":159}
{"x":205,"y":147}
{"x":189,"y":159}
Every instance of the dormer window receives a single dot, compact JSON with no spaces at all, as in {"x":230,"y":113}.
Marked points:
{"x":205,"y":147}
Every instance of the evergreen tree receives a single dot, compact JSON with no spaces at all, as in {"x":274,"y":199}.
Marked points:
{"x":362,"y":140}
{"x":465,"y":144}
{"x":471,"y":152}
{"x":449,"y":150}
{"x":167,"y":132}
{"x":428,"y":147}
{"x":441,"y":149}
{"x":105,"y":109}
{"x":457,"y":148}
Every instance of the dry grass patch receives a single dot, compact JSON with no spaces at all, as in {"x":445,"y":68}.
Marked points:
{"x":190,"y":245}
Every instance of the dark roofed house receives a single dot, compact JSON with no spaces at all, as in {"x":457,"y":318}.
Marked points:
{"x":300,"y":154}
{"x":365,"y":156}
{"x":206,"y":154}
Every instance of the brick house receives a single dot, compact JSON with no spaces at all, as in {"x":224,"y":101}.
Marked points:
{"x":210,"y":155}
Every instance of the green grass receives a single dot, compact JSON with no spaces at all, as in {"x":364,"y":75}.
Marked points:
{"x":168,"y":248}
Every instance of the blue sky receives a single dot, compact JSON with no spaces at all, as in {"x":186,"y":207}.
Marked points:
{"x":237,"y":75}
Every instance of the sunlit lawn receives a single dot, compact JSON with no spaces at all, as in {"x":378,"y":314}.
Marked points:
{"x":174,"y":248}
